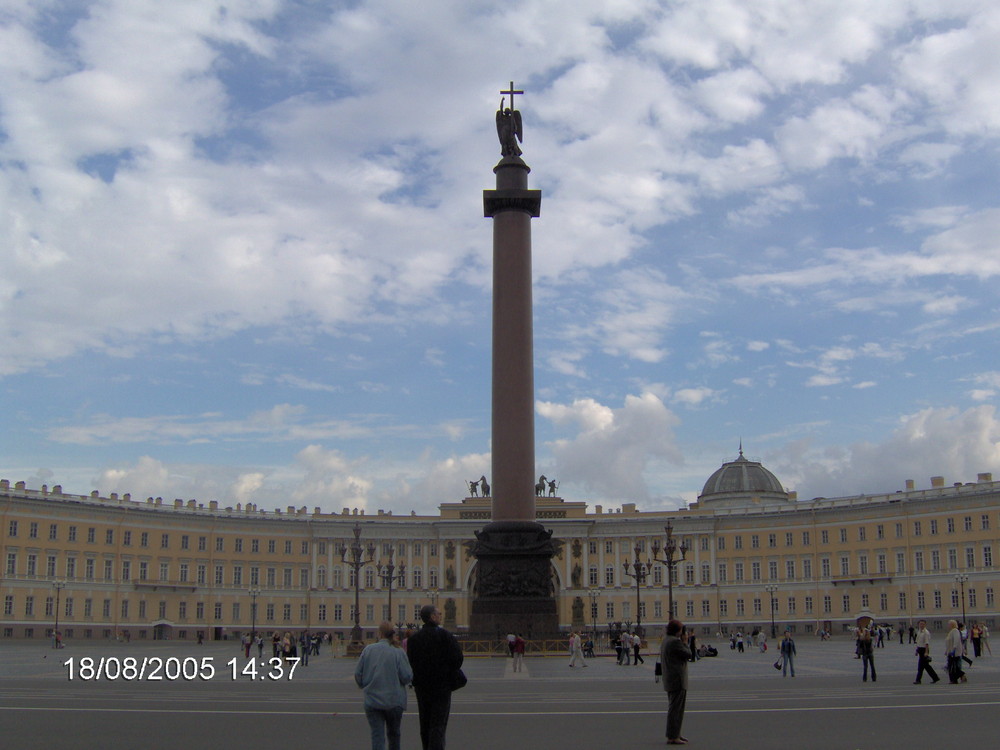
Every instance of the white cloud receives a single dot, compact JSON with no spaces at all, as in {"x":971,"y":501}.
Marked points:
{"x":609,"y":457}
{"x":932,"y":442}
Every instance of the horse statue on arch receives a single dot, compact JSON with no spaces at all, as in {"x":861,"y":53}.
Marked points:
{"x":484,"y":485}
{"x":540,"y":487}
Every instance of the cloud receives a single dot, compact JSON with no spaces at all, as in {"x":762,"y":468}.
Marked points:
{"x":935,"y":441}
{"x":609,"y":456}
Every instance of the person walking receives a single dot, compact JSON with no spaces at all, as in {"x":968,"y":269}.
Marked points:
{"x":383,"y":672}
{"x":626,"y":649}
{"x":436,"y":659}
{"x":518,"y":649}
{"x":576,"y":650}
{"x":985,"y":632}
{"x":866,"y":653}
{"x":953,"y":652}
{"x":924,"y":654}
{"x":787,"y":654}
{"x":674,"y":657}
{"x":636,"y":648}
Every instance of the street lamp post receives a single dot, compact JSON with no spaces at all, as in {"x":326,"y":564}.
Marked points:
{"x":771,"y":588}
{"x":388,"y":575}
{"x":254,"y":592}
{"x":961,"y":578}
{"x":669,"y":558}
{"x":59,"y":585}
{"x":637,"y":569}
{"x":356,"y":558}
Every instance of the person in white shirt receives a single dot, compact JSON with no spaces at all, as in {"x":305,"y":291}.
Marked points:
{"x":924,"y":654}
{"x":953,"y":650}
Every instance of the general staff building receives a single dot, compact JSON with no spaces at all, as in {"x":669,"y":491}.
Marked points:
{"x":106,"y":567}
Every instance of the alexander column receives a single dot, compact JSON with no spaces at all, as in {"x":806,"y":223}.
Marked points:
{"x":513,"y":589}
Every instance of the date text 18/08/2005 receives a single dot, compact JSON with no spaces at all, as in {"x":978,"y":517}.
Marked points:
{"x":171,"y":669}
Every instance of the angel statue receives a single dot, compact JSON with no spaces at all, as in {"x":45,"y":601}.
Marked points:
{"x":509,"y":130}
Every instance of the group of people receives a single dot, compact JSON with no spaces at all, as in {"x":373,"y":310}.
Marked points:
{"x":430,"y":660}
{"x":627,"y":647}
{"x":743,"y":642}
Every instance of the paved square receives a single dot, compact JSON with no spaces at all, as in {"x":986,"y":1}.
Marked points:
{"x":735,"y":701}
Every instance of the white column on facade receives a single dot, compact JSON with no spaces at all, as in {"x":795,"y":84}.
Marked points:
{"x":458,"y":568}
{"x":314,"y":562}
{"x":329,"y":564}
{"x":567,"y":574}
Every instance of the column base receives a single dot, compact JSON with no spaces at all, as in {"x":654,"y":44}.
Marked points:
{"x":514,"y":591}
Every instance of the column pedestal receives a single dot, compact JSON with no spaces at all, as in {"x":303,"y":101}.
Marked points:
{"x":514,"y":589}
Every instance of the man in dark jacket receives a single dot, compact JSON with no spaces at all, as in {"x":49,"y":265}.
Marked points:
{"x":435,"y":657}
{"x":674,"y":658}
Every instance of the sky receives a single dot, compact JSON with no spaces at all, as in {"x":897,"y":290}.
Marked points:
{"x":243,"y":254}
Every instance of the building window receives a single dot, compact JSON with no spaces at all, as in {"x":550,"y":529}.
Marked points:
{"x":740,"y":608}
{"x":791,"y":605}
{"x":900,"y":562}
{"x":789,"y":539}
{"x":772,"y":570}
{"x":238,"y":545}
{"x":738,"y":571}
{"x":706,"y":573}
{"x":271,"y":579}
{"x":918,"y":561}
{"x":609,"y":611}
{"x":807,"y":569}
{"x":591,"y":547}
{"x":109,"y":536}
{"x":863,"y":564}
{"x":738,"y":541}
{"x":144,"y":539}
{"x":808,"y":604}
{"x":984,"y":521}
{"x":864,"y":601}
{"x":880,"y":531}
{"x":921,"y":600}
{"x":968,"y":523}
{"x":862,"y":534}
{"x":609,"y":575}
{"x":970,"y":557}
{"x":827,"y":604}
{"x":609,"y":548}
{"x":721,"y":543}
{"x":843,"y":536}
{"x":987,"y":556}
{"x":689,"y":609}
{"x":937,"y":600}
{"x":882,"y":563}
{"x":805,"y":539}
{"x":846,"y":603}
{"x":772,"y":540}
{"x":255,"y":546}
{"x":164,"y":541}
{"x":824,"y":536}
{"x":723,"y":608}
{"x":757,"y":609}
{"x":971,"y":593}
{"x":722,"y":572}
{"x":755,"y":571}
{"x":790,"y":570}
{"x":917,"y":529}
{"x":33,"y":530}
{"x":934,"y":526}
{"x":754,"y":541}
{"x":902,"y":601}
{"x":594,"y":576}
{"x":952,"y":558}
{"x":845,"y":566}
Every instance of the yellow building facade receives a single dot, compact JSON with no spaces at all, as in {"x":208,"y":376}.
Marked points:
{"x":103,"y":567}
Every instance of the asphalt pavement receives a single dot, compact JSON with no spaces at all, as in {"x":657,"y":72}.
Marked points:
{"x":170,"y":695}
